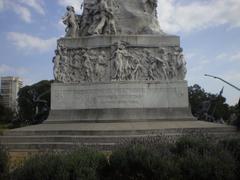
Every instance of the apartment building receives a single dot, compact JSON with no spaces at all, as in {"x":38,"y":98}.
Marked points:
{"x":9,"y":90}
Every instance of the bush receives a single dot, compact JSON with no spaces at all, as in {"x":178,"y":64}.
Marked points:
{"x":233,"y":146}
{"x":198,"y":143}
{"x":191,"y":157}
{"x":41,"y":167}
{"x":202,"y":158}
{"x":85,"y":164}
{"x":140,"y":162}
{"x":4,"y":164}
{"x":81,"y":164}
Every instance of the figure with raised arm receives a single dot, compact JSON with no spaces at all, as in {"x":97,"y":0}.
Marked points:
{"x":70,"y":21}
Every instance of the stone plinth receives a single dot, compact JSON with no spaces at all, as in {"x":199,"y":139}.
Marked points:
{"x":121,"y":101}
{"x":100,"y":41}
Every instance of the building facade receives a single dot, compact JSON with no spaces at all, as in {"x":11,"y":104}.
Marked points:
{"x":9,"y":91}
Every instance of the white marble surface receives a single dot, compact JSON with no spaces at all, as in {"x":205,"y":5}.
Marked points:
{"x":119,"y":95}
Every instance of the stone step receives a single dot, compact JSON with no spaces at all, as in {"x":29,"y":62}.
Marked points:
{"x":75,"y":139}
{"x":115,"y":132}
{"x":70,"y":142}
{"x":90,"y":139}
{"x":104,"y":136}
{"x":13,"y":147}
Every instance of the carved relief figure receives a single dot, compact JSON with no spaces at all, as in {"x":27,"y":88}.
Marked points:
{"x":103,"y":19}
{"x":57,"y":63}
{"x":127,"y":63}
{"x":70,"y":21}
{"x":137,"y":69}
{"x":88,"y":68}
{"x":157,"y":68}
{"x":150,"y":6}
{"x":100,"y":67}
{"x":120,"y":62}
{"x":181,"y":65}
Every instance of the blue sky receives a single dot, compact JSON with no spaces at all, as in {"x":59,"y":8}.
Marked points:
{"x":209,"y":30}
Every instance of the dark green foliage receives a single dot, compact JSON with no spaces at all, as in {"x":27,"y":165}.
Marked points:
{"x":201,"y":158}
{"x":85,"y":164}
{"x":140,"y":162}
{"x":233,"y":146}
{"x":236,"y":111}
{"x":6,"y":114}
{"x":3,"y":164}
{"x":43,"y":167}
{"x":82,"y":164}
{"x":219,"y":108}
{"x":191,"y":157}
{"x":198,"y":143}
{"x":27,"y":105}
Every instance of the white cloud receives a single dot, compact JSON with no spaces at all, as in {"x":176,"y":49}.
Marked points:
{"x":23,"y":12}
{"x":229,"y":57}
{"x":235,"y":57}
{"x":37,"y":5}
{"x":196,"y":15}
{"x":6,"y":70}
{"x":1,"y":5}
{"x":232,"y":76}
{"x":75,"y":3}
{"x":30,"y":43}
{"x":23,"y":73}
{"x":23,"y":8}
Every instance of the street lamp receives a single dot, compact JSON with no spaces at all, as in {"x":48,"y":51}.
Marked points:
{"x":215,"y":77}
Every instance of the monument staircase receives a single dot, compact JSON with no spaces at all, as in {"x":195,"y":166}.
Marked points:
{"x":104,"y":136}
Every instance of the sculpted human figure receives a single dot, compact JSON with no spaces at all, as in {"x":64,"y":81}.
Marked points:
{"x":164,"y":64}
{"x":157,"y":68}
{"x":88,"y":68}
{"x":87,"y":16}
{"x":100,"y":66}
{"x":137,"y":69}
{"x":172,"y":69}
{"x":119,"y":61}
{"x":70,"y":21}
{"x":103,"y":19}
{"x":181,"y":66}
{"x":111,"y":26}
{"x":150,"y":6}
{"x":57,"y":62}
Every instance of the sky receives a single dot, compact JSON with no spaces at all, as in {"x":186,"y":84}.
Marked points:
{"x":209,"y":31}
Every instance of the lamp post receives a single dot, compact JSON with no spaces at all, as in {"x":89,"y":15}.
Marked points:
{"x":215,"y":77}
{"x":235,"y":87}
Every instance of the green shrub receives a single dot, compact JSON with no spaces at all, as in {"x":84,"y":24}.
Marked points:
{"x":202,"y":158}
{"x":198,"y":143}
{"x":85,"y":164}
{"x":42,"y":167}
{"x":233,"y":146}
{"x":140,"y":162}
{"x":81,"y":164}
{"x":190,"y":157}
{"x":207,"y":165}
{"x":4,"y":163}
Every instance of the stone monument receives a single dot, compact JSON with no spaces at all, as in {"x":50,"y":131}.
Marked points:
{"x":116,"y":64}
{"x":118,"y":76}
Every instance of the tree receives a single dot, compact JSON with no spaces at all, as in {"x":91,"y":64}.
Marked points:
{"x":6,"y":114}
{"x":235,"y":120}
{"x":218,"y":108}
{"x":34,"y":102}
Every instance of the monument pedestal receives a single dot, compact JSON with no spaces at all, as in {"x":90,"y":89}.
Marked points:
{"x":119,"y":102}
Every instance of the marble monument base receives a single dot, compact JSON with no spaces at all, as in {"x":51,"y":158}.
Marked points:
{"x":119,"y":102}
